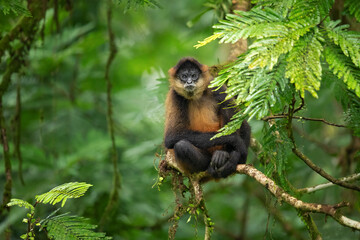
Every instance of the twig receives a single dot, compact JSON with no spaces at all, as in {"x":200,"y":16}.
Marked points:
{"x":304,"y":118}
{"x":301,"y":105}
{"x":281,"y":195}
{"x":350,"y":178}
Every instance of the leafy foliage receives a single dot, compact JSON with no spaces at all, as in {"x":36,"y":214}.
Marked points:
{"x":348,"y":41}
{"x":71,"y":228}
{"x":15,"y":6}
{"x":343,"y":68}
{"x":134,"y":4}
{"x":303,"y":64}
{"x":21,"y":203}
{"x":353,"y":6}
{"x":60,"y":226}
{"x":294,"y":34}
{"x":277,"y":146}
{"x":257,"y":90}
{"x":63,"y":192}
{"x":63,"y":124}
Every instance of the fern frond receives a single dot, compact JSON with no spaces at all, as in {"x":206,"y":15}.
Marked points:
{"x":63,"y":192}
{"x":266,"y":51}
{"x":349,"y":101}
{"x":343,"y":68}
{"x":233,"y":125}
{"x":135,"y":4}
{"x":208,"y":40}
{"x":21,"y":203}
{"x":71,"y":228}
{"x":15,"y":6}
{"x":277,"y":144}
{"x":281,"y":6}
{"x":303,"y":64}
{"x":324,"y":7}
{"x":306,"y":11}
{"x":237,"y":78}
{"x":353,"y":7}
{"x":254,"y":23}
{"x":352,"y":118}
{"x":257,"y":91}
{"x":348,"y":41}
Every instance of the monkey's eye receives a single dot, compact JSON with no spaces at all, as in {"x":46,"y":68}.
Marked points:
{"x":183,"y":77}
{"x":194,"y":76}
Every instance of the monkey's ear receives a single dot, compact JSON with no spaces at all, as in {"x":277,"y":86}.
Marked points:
{"x":172,"y":72}
{"x":204,"y":68}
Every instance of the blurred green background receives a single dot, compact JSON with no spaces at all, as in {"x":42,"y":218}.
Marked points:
{"x":64,"y":135}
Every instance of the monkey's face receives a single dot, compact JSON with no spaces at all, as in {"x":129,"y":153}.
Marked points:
{"x":188,"y":76}
{"x":189,"y":81}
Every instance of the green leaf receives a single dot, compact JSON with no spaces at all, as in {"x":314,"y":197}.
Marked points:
{"x":71,"y":228}
{"x":63,"y":192}
{"x":303,"y":64}
{"x":343,"y":68}
{"x":21,"y":203}
{"x":278,"y":146}
{"x":353,"y":7}
{"x":15,"y":6}
{"x":348,"y":41}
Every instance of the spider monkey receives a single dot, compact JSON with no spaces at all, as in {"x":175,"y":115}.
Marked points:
{"x":194,"y":114}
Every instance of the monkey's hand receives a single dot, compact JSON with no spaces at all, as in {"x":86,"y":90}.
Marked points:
{"x":218,"y":160}
{"x":223,"y":164}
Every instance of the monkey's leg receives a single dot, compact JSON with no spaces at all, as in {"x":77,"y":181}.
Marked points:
{"x":190,"y":157}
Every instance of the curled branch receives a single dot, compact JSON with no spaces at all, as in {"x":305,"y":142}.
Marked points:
{"x":280,"y":194}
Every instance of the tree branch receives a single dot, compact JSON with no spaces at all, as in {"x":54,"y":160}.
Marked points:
{"x":304,"y":118}
{"x":350,"y":178}
{"x":281,"y":195}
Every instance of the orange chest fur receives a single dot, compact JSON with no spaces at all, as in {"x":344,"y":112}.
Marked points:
{"x":203,"y":115}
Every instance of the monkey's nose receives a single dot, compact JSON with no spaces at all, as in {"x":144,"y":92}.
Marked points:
{"x":189,"y":86}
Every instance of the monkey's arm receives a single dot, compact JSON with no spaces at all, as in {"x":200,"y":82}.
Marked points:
{"x":200,"y":139}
